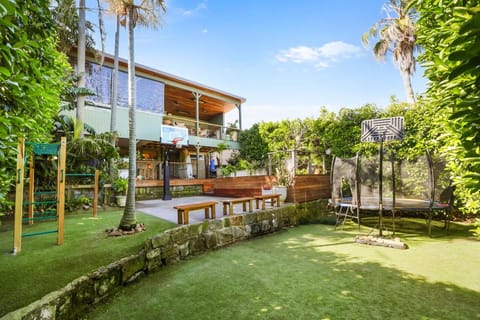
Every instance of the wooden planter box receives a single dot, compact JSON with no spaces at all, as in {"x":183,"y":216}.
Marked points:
{"x":309,"y":187}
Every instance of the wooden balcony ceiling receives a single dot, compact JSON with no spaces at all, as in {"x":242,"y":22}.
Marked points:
{"x":182,"y":103}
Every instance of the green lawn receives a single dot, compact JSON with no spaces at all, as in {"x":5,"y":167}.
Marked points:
{"x":315,"y":272}
{"x":42,"y":266}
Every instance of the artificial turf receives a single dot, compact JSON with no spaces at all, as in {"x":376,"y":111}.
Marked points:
{"x":314,"y":272}
{"x":42,"y":266}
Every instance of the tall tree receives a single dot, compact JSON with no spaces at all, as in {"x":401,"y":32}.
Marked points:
{"x":31,"y":79}
{"x":66,"y":17}
{"x":146,"y":13}
{"x":81,"y":48}
{"x":114,"y":97}
{"x":253,"y":147}
{"x":396,"y":34}
{"x":74,"y":30}
{"x":449,"y":33}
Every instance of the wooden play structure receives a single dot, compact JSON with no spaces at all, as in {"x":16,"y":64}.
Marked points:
{"x":57,"y":151}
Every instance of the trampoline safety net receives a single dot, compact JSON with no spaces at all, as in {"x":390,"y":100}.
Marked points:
{"x":405,"y":184}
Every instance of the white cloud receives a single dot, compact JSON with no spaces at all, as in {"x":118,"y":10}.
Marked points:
{"x":338,"y":50}
{"x":190,"y":12}
{"x":204,"y":31}
{"x":321,"y":57}
{"x":321,"y":65}
{"x":298,"y":55}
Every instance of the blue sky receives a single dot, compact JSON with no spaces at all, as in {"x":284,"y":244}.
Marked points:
{"x":287,"y":58}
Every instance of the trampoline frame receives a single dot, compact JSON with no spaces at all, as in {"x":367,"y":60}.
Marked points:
{"x":349,"y":208}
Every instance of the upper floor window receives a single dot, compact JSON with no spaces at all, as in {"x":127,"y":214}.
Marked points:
{"x":150,"y":93}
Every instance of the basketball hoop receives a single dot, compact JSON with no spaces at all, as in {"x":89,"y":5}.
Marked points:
{"x":177,"y":142}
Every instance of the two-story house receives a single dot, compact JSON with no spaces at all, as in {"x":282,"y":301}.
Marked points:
{"x":168,"y":108}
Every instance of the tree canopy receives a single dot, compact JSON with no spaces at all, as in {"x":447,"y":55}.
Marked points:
{"x":31,"y":79}
{"x":450,"y":35}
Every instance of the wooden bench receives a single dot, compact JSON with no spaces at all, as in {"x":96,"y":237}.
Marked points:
{"x":184,"y":210}
{"x":274,"y":197}
{"x":229,"y":203}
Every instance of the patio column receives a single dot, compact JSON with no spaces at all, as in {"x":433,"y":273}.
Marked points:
{"x":197,"y":96}
{"x":239,"y":107}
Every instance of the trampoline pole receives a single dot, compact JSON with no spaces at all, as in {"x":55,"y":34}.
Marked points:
{"x":380,"y":188}
{"x":392,"y":161}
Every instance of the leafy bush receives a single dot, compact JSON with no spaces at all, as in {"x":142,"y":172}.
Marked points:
{"x":120,"y":186}
{"x":31,"y":80}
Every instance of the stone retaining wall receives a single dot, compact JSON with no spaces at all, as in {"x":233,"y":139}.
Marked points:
{"x":164,"y":249}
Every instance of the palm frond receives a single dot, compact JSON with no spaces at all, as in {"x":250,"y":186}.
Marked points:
{"x":396,"y":34}
{"x":381,"y":49}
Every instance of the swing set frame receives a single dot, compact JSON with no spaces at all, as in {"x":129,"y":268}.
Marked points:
{"x":58,"y":150}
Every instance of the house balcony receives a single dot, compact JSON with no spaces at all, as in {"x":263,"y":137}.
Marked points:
{"x":149,"y":127}
{"x":204,"y":130}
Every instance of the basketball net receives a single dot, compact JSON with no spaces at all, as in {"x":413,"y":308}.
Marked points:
{"x":177,"y":142}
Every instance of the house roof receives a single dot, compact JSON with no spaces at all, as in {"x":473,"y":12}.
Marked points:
{"x":179,"y":97}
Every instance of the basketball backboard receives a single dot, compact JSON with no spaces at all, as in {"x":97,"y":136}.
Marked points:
{"x":385,"y":129}
{"x":169,"y":133}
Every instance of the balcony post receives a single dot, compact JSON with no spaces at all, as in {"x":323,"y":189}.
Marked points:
{"x":197,"y":96}
{"x":239,"y":107}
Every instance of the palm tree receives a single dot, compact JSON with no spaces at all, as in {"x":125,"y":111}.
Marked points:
{"x":396,"y":34}
{"x":75,"y":30}
{"x":114,"y":98}
{"x":146,"y":13}
{"x":81,"y":47}
{"x":66,"y":17}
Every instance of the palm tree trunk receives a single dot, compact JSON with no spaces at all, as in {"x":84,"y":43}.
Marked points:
{"x":113,"y":114}
{"x":81,"y":62}
{"x":129,"y":217}
{"x":114,"y":97}
{"x":407,"y":83}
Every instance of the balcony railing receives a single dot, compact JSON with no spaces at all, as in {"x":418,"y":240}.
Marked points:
{"x":206,"y":129}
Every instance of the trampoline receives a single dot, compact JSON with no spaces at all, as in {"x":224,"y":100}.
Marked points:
{"x":383,"y":183}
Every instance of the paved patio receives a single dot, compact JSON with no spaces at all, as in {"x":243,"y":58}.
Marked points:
{"x":164,"y":208}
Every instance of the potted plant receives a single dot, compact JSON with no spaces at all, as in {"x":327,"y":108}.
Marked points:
{"x":122,"y":167}
{"x":120,"y":186}
{"x":284,"y":180}
{"x":232,"y":130}
{"x":228,"y":170}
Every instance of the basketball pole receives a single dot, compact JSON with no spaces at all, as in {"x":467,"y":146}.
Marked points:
{"x":166,"y":177}
{"x":380,"y":188}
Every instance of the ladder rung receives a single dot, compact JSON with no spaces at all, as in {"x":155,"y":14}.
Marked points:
{"x":40,"y":202}
{"x":43,"y":213}
{"x":40,"y":218}
{"x":25,"y":235}
{"x":45,"y":192}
